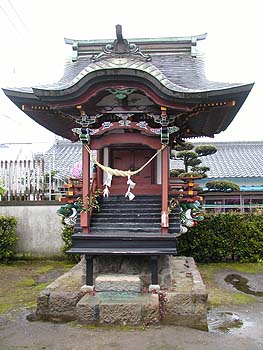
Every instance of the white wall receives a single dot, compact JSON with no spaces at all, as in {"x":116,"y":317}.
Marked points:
{"x":38,"y":228}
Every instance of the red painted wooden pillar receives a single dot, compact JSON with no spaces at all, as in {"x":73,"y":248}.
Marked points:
{"x":99,"y":170}
{"x":84,"y":218}
{"x":165,"y":184}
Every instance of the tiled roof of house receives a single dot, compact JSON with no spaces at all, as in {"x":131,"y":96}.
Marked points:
{"x":62,"y":156}
{"x":233,"y":159}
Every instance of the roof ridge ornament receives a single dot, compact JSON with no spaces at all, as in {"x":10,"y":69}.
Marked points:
{"x":119,"y":48}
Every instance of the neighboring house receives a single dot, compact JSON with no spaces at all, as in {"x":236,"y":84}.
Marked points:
{"x":62,"y":157}
{"x":240,"y":162}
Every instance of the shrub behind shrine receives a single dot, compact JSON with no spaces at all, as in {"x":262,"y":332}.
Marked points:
{"x":8,"y":237}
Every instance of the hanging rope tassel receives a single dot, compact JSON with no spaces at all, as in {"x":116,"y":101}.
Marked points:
{"x":107,"y":184}
{"x":131,"y":185}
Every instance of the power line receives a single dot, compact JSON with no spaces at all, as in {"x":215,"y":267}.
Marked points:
{"x":17,"y":14}
{"x":10,"y":20}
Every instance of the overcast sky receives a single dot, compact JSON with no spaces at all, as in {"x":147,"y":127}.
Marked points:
{"x":33,"y":50}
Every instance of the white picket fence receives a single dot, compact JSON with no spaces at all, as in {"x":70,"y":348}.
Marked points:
{"x":27,"y":180}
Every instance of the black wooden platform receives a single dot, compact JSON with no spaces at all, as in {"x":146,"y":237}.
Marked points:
{"x":124,"y":227}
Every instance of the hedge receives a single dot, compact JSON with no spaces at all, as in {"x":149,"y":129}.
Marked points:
{"x":8,"y":237}
{"x":225,"y":236}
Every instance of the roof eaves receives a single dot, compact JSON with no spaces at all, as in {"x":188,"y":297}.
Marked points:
{"x":162,"y":40}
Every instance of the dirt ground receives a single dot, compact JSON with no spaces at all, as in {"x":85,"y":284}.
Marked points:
{"x":17,"y":333}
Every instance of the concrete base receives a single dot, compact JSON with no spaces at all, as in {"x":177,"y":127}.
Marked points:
{"x":119,"y":299}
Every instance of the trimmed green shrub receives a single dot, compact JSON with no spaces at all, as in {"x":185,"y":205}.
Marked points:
{"x":8,"y":237}
{"x":225,"y":236}
{"x":222,"y":186}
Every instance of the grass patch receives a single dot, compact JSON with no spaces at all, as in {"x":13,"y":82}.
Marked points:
{"x":218,"y":295}
{"x":26,"y":282}
{"x":19,"y":286}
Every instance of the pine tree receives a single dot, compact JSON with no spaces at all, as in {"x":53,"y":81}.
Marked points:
{"x":190,"y":155}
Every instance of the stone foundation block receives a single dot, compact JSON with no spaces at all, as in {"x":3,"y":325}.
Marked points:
{"x":62,"y":305}
{"x":179,"y":303}
{"x":118,"y":283}
{"x":43,"y":303}
{"x":124,"y":313}
{"x":150,"y":309}
{"x":88,"y":310}
{"x":185,"y":309}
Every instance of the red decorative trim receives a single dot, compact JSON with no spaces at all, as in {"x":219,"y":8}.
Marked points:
{"x":107,"y":140}
{"x":132,"y":125}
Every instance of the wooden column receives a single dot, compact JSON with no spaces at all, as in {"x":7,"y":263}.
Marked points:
{"x":154,"y":269}
{"x":84,"y":218}
{"x":165,"y":185}
{"x":89,"y":270}
{"x":99,"y":170}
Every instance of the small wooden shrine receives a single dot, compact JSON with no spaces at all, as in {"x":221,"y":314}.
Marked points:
{"x":132,"y":101}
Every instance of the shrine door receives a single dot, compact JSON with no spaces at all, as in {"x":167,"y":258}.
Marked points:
{"x":133,"y":159}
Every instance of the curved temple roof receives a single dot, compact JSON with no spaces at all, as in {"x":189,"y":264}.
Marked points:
{"x":169,"y":70}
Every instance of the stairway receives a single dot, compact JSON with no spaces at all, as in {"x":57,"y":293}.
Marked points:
{"x":123,"y":227}
{"x":119,"y":216}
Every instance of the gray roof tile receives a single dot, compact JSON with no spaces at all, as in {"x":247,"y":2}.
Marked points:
{"x":233,"y":159}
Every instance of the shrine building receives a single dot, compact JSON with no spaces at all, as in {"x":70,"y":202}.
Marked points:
{"x":132,"y":101}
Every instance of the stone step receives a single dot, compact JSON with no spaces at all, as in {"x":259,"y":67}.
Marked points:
{"x":118,"y":283}
{"x":137,"y":199}
{"x":119,"y":308}
{"x":124,"y":214}
{"x":128,"y":207}
{"x":114,"y":211}
{"x":124,"y":228}
{"x":126,"y":221}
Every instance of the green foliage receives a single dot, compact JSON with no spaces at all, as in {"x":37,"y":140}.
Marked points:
{"x":190,"y":156}
{"x":205,"y":150}
{"x":225,"y":236}
{"x":201,"y":170}
{"x":94,"y":202}
{"x":2,"y":189}
{"x":185,"y":146}
{"x":8,"y":237}
{"x":66,"y":234}
{"x":176,"y":172}
{"x":68,"y":230}
{"x":222,"y":186}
